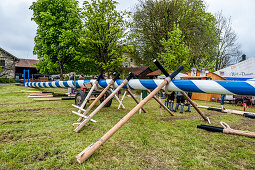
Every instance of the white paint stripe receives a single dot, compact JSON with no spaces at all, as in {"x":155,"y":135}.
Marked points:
{"x":135,"y":84}
{"x":70,"y":84}
{"x":61,"y":84}
{"x":173,"y":87}
{"x":210,"y":86}
{"x":252,"y":83}
{"x":47,"y":84}
{"x":80,"y":82}
{"x":53,"y":84}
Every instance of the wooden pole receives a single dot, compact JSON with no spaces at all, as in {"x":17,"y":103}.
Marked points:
{"x":40,"y":96}
{"x":88,"y":96}
{"x":160,"y":108}
{"x":195,"y":106}
{"x":101,"y":105}
{"x":116,"y":97}
{"x":51,"y":99}
{"x":141,"y":98}
{"x":228,"y":130}
{"x":85,"y":154}
{"x":132,"y":95}
{"x":122,"y":99}
{"x":169,"y":111}
{"x":97,"y":99}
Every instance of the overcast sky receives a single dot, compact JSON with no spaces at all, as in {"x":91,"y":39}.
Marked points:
{"x":17,"y":31}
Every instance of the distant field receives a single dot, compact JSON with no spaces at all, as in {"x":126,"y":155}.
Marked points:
{"x":40,"y":135}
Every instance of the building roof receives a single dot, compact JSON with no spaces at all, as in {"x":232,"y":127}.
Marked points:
{"x":155,"y":73}
{"x":137,"y":70}
{"x":1,"y":49}
{"x":26,"y":63}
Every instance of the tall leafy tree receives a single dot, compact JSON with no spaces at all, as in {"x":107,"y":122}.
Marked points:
{"x":175,"y":52}
{"x":57,"y":35}
{"x":153,"y":19}
{"x":102,"y":34}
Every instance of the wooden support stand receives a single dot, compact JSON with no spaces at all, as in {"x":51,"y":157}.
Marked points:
{"x":161,"y":104}
{"x":103,"y":103}
{"x":85,"y":154}
{"x":117,"y":98}
{"x":133,"y":96}
{"x":195,"y":106}
{"x":122,"y":99}
{"x":100,"y":96}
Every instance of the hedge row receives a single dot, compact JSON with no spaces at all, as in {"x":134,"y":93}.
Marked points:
{"x":7,"y":80}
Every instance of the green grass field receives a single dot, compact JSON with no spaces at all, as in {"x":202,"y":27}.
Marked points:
{"x":40,"y":135}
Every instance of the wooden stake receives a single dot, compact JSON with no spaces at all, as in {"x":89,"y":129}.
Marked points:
{"x":141,"y":98}
{"x":122,"y":99}
{"x":102,"y":104}
{"x":88,"y":95}
{"x":85,"y":154}
{"x":132,"y":95}
{"x":97,"y":99}
{"x":195,"y":106}
{"x":117,"y":98}
{"x":161,"y":104}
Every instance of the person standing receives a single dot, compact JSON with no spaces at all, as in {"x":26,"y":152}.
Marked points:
{"x":188,"y":103}
{"x":179,"y":101}
{"x":171,"y":100}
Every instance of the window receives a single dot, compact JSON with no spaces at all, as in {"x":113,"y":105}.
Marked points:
{"x":131,"y":60}
{"x":2,"y":63}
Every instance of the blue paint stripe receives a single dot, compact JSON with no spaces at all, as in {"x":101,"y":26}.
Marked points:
{"x":187,"y":85}
{"x":238,"y":87}
{"x":50,"y":84}
{"x":119,"y":81}
{"x":77,"y":84}
{"x":34,"y":84}
{"x":65,"y":84}
{"x":57,"y":84}
{"x":44,"y":84}
{"x":103,"y":83}
{"x":147,"y":83}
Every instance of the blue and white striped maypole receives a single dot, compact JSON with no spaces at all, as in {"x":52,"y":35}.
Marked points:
{"x":200,"y":86}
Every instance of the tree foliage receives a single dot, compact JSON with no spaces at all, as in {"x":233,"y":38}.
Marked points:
{"x":57,"y":35}
{"x":228,"y":50}
{"x":102,"y":34}
{"x":152,"y":20}
{"x":175,"y":51}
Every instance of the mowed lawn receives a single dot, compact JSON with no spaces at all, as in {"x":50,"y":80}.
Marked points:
{"x":40,"y":135}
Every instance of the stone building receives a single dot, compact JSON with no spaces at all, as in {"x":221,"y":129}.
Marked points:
{"x":7,"y":64}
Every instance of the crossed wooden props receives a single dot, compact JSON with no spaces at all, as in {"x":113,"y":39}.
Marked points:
{"x":87,"y":152}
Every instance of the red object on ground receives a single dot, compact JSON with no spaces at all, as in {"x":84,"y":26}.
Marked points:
{"x":84,"y":89}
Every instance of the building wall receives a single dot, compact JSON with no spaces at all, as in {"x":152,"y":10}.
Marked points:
{"x":7,"y":71}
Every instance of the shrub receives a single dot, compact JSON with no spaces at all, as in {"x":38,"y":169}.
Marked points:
{"x":7,"y":80}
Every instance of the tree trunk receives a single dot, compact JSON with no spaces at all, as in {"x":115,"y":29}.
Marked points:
{"x":61,"y":69}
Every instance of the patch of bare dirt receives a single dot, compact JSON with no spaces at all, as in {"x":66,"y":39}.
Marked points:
{"x":12,"y":122}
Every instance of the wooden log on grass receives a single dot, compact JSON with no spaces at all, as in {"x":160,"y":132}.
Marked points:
{"x":52,"y":99}
{"x":85,"y":154}
{"x":226,"y":129}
